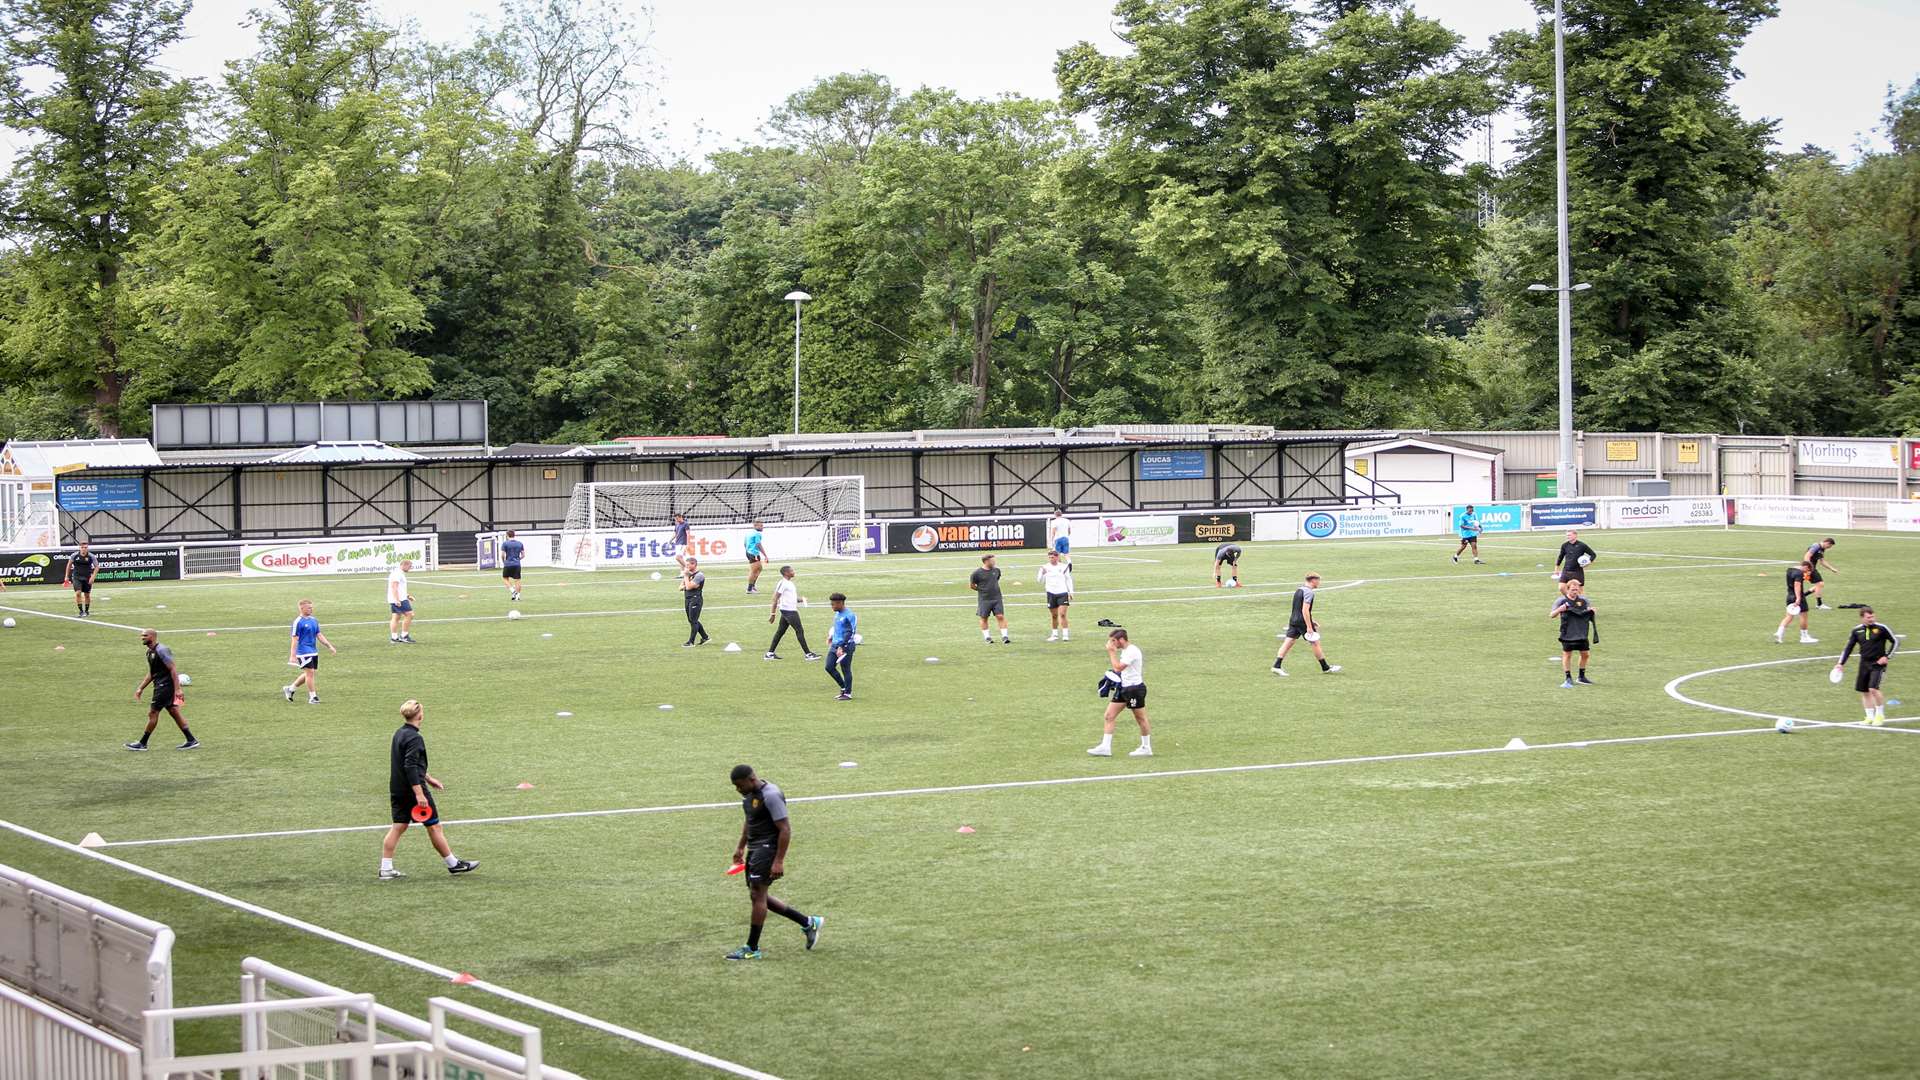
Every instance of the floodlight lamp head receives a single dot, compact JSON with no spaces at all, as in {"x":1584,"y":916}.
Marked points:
{"x":799,"y":297}
{"x":1539,"y":288}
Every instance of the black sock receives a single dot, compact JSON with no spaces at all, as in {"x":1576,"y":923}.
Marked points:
{"x":753,"y":936}
{"x":794,"y":914}
{"x":1277,"y":661}
{"x":1566,"y":675}
{"x":1323,"y":664}
{"x":188,"y":732}
{"x":142,"y":741}
{"x":1583,"y":673}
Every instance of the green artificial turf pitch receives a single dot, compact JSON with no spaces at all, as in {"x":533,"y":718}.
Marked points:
{"x":1740,"y":905}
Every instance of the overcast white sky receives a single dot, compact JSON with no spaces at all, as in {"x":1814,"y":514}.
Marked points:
{"x":1821,"y":68}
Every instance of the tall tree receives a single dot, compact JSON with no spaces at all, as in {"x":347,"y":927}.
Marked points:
{"x":1657,"y":159}
{"x":1295,"y":166}
{"x":82,"y":79}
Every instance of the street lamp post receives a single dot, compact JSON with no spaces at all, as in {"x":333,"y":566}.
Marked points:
{"x":798,"y":298}
{"x":1568,"y":484}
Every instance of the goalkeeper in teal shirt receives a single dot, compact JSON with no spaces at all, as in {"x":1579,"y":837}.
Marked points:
{"x":756,"y":556}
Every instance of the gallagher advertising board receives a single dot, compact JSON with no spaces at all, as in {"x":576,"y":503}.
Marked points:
{"x":966,"y":534}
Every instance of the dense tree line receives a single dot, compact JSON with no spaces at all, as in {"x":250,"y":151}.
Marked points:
{"x":1255,"y":212}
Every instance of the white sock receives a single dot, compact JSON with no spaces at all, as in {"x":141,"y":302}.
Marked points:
{"x":391,"y":636}
{"x":313,"y":695}
{"x":1146,"y":742}
{"x":1106,"y":742}
{"x":1004,"y":636}
{"x":986,"y":635}
{"x":451,"y":861}
{"x":287,"y":689}
{"x":1879,"y":712}
{"x":386,"y":865}
{"x":1065,"y":633}
{"x":1869,"y":714}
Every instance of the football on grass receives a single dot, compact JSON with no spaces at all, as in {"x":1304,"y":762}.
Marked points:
{"x":514,"y":614}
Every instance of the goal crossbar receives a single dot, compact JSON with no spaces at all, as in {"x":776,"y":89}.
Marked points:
{"x":633,"y":521}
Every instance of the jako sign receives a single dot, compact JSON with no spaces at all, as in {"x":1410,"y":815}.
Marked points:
{"x":363,"y":556}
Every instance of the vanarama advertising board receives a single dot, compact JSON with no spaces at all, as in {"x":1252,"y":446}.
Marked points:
{"x":966,"y":534}
{"x":360,"y":555}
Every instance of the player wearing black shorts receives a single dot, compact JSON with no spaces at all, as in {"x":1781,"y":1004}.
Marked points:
{"x":164,"y":677}
{"x":407,"y":784}
{"x":1877,"y":643}
{"x":1816,"y":559}
{"x":1126,"y":674}
{"x":693,"y":590}
{"x":1226,"y":555}
{"x":1571,"y":563}
{"x":1578,"y":622}
{"x":1798,"y":597}
{"x":511,"y":552}
{"x":762,"y":850}
{"x":986,"y":582}
{"x":81,"y":570}
{"x":1302,"y":625}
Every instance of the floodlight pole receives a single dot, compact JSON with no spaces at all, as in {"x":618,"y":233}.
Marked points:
{"x":1568,"y":484}
{"x":798,"y":298}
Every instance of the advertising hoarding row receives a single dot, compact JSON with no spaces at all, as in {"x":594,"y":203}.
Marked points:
{"x":355,"y":555}
{"x":49,"y":567}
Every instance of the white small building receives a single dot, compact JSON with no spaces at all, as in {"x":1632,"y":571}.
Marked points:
{"x":29,"y":514}
{"x":1423,"y":469}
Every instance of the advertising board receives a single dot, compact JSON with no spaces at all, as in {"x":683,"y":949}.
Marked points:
{"x":966,"y":534}
{"x":1173,"y":464}
{"x":1494,"y":517}
{"x":1375,"y":521}
{"x":1792,"y":513}
{"x":109,"y":493}
{"x":354,"y":555}
{"x":1216,"y":528}
{"x":1565,"y":515}
{"x":1665,"y":513}
{"x":113,"y":564}
{"x":1847,"y":453}
{"x":1903,"y":516}
{"x":1135,"y":530}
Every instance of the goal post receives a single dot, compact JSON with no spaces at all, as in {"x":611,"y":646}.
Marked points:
{"x":631,"y":522}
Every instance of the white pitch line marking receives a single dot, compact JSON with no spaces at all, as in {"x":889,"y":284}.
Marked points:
{"x":71,"y":618}
{"x":1673,"y":691}
{"x":1002,"y":785}
{"x":384,"y":953}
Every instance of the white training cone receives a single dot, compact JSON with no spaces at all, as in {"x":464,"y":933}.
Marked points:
{"x":933,"y":659}
{"x":665,"y":708}
{"x":92,"y":840}
{"x":546,"y":635}
{"x":563,"y":714}
{"x":656,"y":575}
{"x":1516,"y":743}
{"x":849,"y":764}
{"x":732,"y":646}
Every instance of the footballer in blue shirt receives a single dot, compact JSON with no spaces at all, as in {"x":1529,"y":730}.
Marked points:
{"x":840,"y":647}
{"x":303,"y":652}
{"x":511,"y":552}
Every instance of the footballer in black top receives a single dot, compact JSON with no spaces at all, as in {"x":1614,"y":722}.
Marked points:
{"x":1572,"y":561}
{"x":1226,"y":555}
{"x":81,"y":569}
{"x":1301,"y":625}
{"x":989,"y":603}
{"x":164,"y":677}
{"x":693,"y":590}
{"x":1816,"y":555}
{"x":410,"y":785}
{"x":1799,"y":598}
{"x":1877,"y":643}
{"x":1578,"y":622}
{"x":762,"y":854}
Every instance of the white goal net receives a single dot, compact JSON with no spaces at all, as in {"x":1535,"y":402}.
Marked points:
{"x":633,"y":523}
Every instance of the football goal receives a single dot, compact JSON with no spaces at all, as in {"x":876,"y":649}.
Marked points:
{"x":626,"y":523}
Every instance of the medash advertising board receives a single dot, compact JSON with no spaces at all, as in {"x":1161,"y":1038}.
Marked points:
{"x":966,"y":534}
{"x":1216,"y":528}
{"x":1666,"y":513}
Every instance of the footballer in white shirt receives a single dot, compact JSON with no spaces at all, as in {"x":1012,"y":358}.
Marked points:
{"x":1126,"y":671}
{"x":399,"y":605}
{"x":786,"y":610}
{"x":1056,"y":578}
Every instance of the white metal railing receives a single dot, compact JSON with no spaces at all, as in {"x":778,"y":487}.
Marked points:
{"x":359,"y":1058}
{"x":40,"y":1042}
{"x":94,"y":960}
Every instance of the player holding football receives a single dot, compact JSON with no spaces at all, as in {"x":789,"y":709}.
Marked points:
{"x":757,"y":559}
{"x":1876,"y":643}
{"x":1303,"y":625}
{"x":1796,"y":604}
{"x":1469,"y":534}
{"x":1816,"y":556}
{"x":841,"y":645}
{"x":1056,"y":579}
{"x":1571,"y":564}
{"x":1126,"y":666}
{"x":1577,"y":621}
{"x":762,"y":849}
{"x":81,"y":570}
{"x":511,"y":552}
{"x":303,"y":651}
{"x":1226,"y":555}
{"x":165,"y":679}
{"x":407,"y":784}
{"x":986,"y":582}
